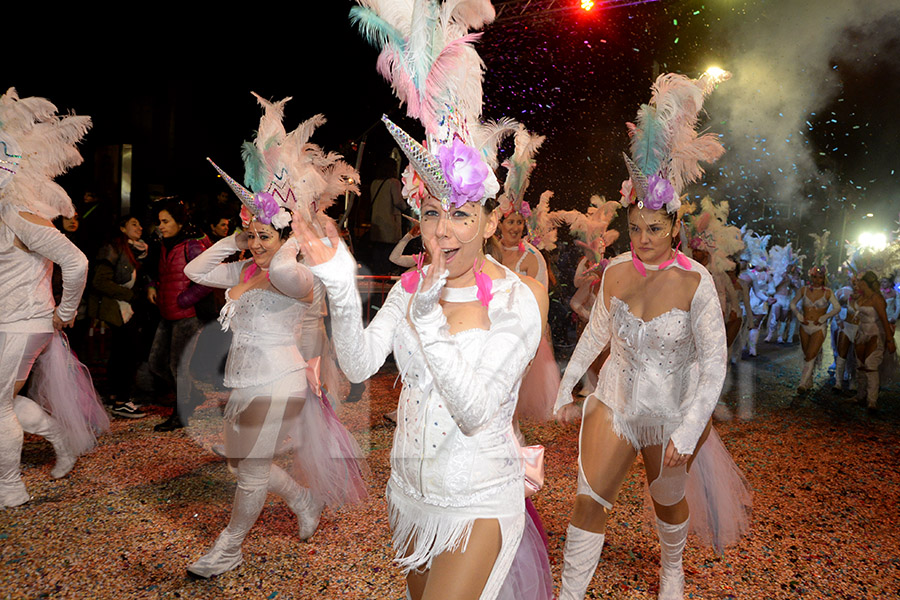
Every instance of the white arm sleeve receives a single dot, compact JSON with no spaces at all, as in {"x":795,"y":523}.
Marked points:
{"x":593,"y":341}
{"x":290,"y":277}
{"x":50,"y":243}
{"x":795,"y":302}
{"x":360,"y":351}
{"x":475,"y":387}
{"x":209,"y":270}
{"x":712,"y":355}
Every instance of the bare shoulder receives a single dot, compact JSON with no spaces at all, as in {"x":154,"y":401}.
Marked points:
{"x":33,"y":218}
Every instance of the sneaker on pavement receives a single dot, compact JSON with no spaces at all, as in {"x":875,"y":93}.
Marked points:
{"x":127,"y":411}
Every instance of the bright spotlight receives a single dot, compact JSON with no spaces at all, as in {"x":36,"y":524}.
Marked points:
{"x":873,"y":241}
{"x":587,"y":4}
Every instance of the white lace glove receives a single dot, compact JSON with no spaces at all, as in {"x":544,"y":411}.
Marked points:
{"x":593,"y":341}
{"x":290,"y":277}
{"x":360,"y":351}
{"x":208,"y":268}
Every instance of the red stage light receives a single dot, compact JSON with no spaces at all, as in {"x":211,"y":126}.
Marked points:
{"x":587,"y":4}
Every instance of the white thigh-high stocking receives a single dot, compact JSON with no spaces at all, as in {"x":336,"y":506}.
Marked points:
{"x":36,"y":420}
{"x":249,"y":498}
{"x":806,"y":375}
{"x":671,"y":546}
{"x":580,"y":558}
{"x":300,"y":500}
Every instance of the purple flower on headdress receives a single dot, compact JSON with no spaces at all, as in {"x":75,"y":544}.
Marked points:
{"x":465,"y":172}
{"x":266,"y":207}
{"x":659,"y":192}
{"x":525,"y":209}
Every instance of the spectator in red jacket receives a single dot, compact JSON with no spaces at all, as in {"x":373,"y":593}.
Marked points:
{"x":177,"y":298}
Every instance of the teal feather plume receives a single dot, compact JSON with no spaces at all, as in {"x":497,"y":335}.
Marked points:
{"x":376,"y":30}
{"x":256,"y":173}
{"x":649,"y":145}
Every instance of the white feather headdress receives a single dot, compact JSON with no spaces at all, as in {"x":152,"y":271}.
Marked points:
{"x":591,"y":227}
{"x":428,"y":58}
{"x":666,"y":148}
{"x":289,"y":170}
{"x":755,"y":246}
{"x":37,"y":145}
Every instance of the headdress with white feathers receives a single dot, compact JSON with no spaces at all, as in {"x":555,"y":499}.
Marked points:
{"x":666,"y":149}
{"x":428,"y":58}
{"x":37,"y":145}
{"x":285,"y":171}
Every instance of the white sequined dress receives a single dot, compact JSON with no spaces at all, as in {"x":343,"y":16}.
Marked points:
{"x":455,"y":457}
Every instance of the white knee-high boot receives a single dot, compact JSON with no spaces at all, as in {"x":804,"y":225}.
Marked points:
{"x":840,"y":365}
{"x":300,"y":500}
{"x":671,"y":546}
{"x":12,"y":490}
{"x":580,"y":558}
{"x":753,"y":339}
{"x":249,"y":498}
{"x":806,"y":375}
{"x":36,"y":420}
{"x":781,"y":327}
{"x":771,"y":324}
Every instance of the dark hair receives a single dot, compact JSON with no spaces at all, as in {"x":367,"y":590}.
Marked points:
{"x":490,"y":205}
{"x":119,"y":240}
{"x":871,"y":280}
{"x":175,"y":208}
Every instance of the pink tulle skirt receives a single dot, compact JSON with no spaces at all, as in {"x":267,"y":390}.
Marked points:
{"x":718,"y":495}
{"x":529,"y":576}
{"x":64,"y":388}
{"x":330,"y":461}
{"x":540,"y":384}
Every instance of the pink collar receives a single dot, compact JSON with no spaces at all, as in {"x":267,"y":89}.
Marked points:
{"x":641,"y":268}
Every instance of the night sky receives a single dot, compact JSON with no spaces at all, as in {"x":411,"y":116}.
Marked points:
{"x":809,"y":119}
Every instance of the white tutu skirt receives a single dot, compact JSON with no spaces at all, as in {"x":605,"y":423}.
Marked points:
{"x":327,"y":459}
{"x":718,"y":495}
{"x":63,"y":387}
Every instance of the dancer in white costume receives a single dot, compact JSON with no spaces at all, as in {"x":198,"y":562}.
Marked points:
{"x":786,"y":281}
{"x":660,"y":314}
{"x":266,"y":298}
{"x":815,"y":299}
{"x":759,"y":279}
{"x":516,"y":252}
{"x":874,"y":335}
{"x":35,"y":146}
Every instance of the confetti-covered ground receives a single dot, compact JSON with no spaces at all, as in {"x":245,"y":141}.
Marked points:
{"x":136,"y":511}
